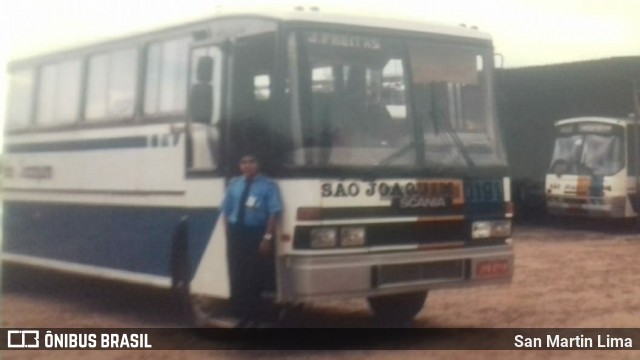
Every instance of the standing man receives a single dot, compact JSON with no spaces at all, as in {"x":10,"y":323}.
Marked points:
{"x":251,"y":207}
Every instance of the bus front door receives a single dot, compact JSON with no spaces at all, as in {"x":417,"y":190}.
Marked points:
{"x":203,"y":133}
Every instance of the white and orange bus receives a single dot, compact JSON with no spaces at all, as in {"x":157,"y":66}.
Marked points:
{"x":593,"y":170}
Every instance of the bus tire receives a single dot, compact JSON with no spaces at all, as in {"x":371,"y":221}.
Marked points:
{"x":398,"y":309}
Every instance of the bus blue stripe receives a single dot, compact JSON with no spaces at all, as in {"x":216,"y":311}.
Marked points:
{"x":79,"y":145}
{"x":124,"y":238}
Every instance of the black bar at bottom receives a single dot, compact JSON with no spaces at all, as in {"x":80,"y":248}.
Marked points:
{"x":320,"y":339}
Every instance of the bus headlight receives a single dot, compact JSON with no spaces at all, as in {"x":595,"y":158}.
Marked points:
{"x":481,"y":229}
{"x":352,"y":236}
{"x":501,"y":228}
{"x":324,"y":237}
{"x":490,"y":229}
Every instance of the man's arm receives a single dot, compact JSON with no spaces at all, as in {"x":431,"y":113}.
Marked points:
{"x":227,"y":207}
{"x":275,"y":208}
{"x":271,"y":225}
{"x":226,"y":225}
{"x":267,"y":240}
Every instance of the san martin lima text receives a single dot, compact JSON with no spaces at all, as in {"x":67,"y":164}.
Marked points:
{"x":574,"y":342}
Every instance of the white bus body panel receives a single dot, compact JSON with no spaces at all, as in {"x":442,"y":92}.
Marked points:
{"x":150,"y":159}
{"x":571,"y":195}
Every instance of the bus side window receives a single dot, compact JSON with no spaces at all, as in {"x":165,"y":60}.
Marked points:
{"x":262,"y":87}
{"x":167,"y":67}
{"x":20,"y":101}
{"x":201,"y":96}
{"x":59,"y":93}
{"x":111,"y":90}
{"x":631,"y":151}
{"x":636,"y":97}
{"x":203,"y":142}
{"x":252,"y":127}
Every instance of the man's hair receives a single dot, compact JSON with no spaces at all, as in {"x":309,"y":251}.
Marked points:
{"x":249,"y":155}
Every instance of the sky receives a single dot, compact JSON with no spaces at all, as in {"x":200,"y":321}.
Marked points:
{"x":525,"y":32}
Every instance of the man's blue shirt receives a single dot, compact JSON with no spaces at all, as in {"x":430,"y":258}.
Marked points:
{"x":262,"y":201}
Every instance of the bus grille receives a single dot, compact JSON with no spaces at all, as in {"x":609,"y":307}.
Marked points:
{"x":431,"y":272}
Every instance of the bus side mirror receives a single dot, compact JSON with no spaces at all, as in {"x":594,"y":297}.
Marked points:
{"x":201,"y":94}
{"x":498,"y":61}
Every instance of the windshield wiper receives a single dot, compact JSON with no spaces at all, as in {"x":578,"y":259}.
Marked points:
{"x":397,"y":154}
{"x":438,"y":120}
{"x":584,"y":169}
{"x":410,"y":146}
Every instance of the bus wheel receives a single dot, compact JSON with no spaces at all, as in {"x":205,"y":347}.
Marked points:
{"x":397,"y":310}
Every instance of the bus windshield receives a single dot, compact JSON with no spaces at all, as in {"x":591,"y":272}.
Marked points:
{"x":374,"y":101}
{"x":588,"y":154}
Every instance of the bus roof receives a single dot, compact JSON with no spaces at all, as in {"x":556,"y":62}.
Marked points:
{"x":314,"y":14}
{"x":298,"y":14}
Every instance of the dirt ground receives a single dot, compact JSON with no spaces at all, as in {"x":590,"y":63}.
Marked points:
{"x":565,"y":276}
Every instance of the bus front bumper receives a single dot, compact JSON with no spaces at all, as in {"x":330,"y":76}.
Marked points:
{"x":313,"y":277}
{"x":594,"y":207}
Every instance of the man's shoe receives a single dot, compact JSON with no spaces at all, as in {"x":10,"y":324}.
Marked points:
{"x":244,"y":323}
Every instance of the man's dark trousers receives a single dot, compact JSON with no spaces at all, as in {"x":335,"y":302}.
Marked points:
{"x":250,"y":273}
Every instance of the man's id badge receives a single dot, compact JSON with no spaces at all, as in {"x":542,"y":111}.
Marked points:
{"x":252,"y":202}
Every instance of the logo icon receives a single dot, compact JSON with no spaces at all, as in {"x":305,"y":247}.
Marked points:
{"x":23,"y":339}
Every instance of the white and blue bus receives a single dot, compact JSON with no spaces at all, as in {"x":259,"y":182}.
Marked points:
{"x":381,"y":134}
